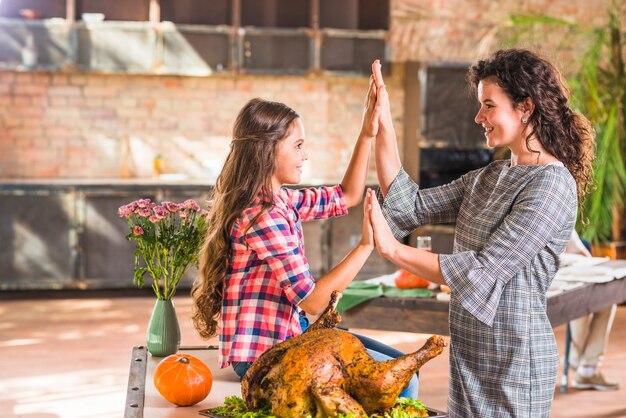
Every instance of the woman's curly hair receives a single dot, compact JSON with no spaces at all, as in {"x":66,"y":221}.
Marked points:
{"x":567,"y":135}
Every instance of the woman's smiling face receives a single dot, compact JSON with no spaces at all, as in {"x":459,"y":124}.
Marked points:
{"x":501,"y":120}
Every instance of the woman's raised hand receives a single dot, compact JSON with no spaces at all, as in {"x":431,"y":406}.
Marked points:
{"x":386,"y":147}
{"x":382,"y":99}
{"x":384,"y":240}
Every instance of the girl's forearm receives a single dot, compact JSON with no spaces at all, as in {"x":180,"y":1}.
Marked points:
{"x":336,"y":279}
{"x":353,"y":182}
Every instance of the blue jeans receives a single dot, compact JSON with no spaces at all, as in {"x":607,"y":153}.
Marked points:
{"x":376,"y":349}
{"x":241,"y":367}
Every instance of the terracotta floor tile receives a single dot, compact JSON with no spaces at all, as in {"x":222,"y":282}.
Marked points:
{"x":69,"y":358}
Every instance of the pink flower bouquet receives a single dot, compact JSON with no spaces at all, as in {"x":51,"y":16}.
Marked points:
{"x":168,"y":238}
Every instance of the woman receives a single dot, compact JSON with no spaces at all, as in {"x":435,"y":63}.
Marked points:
{"x":513,"y":218}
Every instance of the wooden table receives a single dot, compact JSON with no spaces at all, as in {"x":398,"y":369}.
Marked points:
{"x":143,"y":399}
{"x":392,"y":314}
{"x":430,"y":316}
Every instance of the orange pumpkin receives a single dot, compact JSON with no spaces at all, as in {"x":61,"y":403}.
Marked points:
{"x":406,"y":280}
{"x":183,"y":379}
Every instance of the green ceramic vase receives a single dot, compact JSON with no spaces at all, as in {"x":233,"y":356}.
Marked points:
{"x":163,"y":336}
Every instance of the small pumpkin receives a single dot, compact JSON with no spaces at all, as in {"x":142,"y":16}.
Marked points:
{"x":406,"y":280}
{"x":183,"y":379}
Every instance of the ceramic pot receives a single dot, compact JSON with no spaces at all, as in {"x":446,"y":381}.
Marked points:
{"x":163,"y":336}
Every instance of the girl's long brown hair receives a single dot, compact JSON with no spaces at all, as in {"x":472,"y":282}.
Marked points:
{"x":567,"y":135}
{"x":246,"y":175}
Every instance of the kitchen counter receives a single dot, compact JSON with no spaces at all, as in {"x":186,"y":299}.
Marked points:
{"x":66,"y":233}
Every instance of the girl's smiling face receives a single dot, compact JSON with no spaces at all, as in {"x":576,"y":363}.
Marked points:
{"x":290,"y":157}
{"x":501,"y":120}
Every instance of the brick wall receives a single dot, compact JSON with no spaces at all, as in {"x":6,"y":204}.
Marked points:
{"x":462,"y":30}
{"x":93,"y":126}
{"x":66,"y":125}
{"x":55,"y":126}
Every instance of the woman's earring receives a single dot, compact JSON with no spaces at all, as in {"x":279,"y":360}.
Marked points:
{"x":524,"y":119}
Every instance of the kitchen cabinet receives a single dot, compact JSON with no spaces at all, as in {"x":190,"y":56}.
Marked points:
{"x":35,"y":240}
{"x":115,"y":10}
{"x":98,"y":46}
{"x":194,"y":12}
{"x":195,"y":37}
{"x":40,"y":9}
{"x":26,"y":44}
{"x":67,"y":234}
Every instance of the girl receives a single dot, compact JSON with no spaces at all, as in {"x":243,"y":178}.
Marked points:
{"x":513,"y":219}
{"x":255,"y":281}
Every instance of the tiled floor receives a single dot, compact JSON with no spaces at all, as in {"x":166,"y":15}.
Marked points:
{"x":69,"y":358}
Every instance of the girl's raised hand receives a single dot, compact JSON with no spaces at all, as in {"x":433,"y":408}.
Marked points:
{"x":367,"y":232}
{"x":371,"y":112}
{"x":382,"y":99}
{"x":384,"y":240}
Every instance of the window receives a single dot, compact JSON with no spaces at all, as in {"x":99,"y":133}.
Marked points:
{"x":448,"y":107}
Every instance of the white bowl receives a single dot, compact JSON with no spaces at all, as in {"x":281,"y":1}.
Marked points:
{"x":92,"y":17}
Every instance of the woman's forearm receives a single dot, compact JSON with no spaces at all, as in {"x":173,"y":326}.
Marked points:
{"x":420,"y":262}
{"x":387,"y":159}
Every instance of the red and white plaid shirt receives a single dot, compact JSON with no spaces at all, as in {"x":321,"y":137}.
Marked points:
{"x":269,"y":274}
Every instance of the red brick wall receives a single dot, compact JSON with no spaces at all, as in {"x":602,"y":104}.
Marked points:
{"x":83,"y":125}
{"x":463,"y":30}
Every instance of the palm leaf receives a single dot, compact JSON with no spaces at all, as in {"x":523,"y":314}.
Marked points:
{"x":598,"y":87}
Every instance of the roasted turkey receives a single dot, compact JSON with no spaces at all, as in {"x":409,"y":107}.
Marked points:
{"x":326,"y":371}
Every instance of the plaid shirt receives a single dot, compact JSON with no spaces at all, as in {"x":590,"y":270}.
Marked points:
{"x":269,"y":274}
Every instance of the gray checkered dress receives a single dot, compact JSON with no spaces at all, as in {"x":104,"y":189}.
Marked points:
{"x":511,"y":225}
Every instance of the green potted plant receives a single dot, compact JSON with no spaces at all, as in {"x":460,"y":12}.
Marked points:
{"x":598,"y":82}
{"x":168,"y":237}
